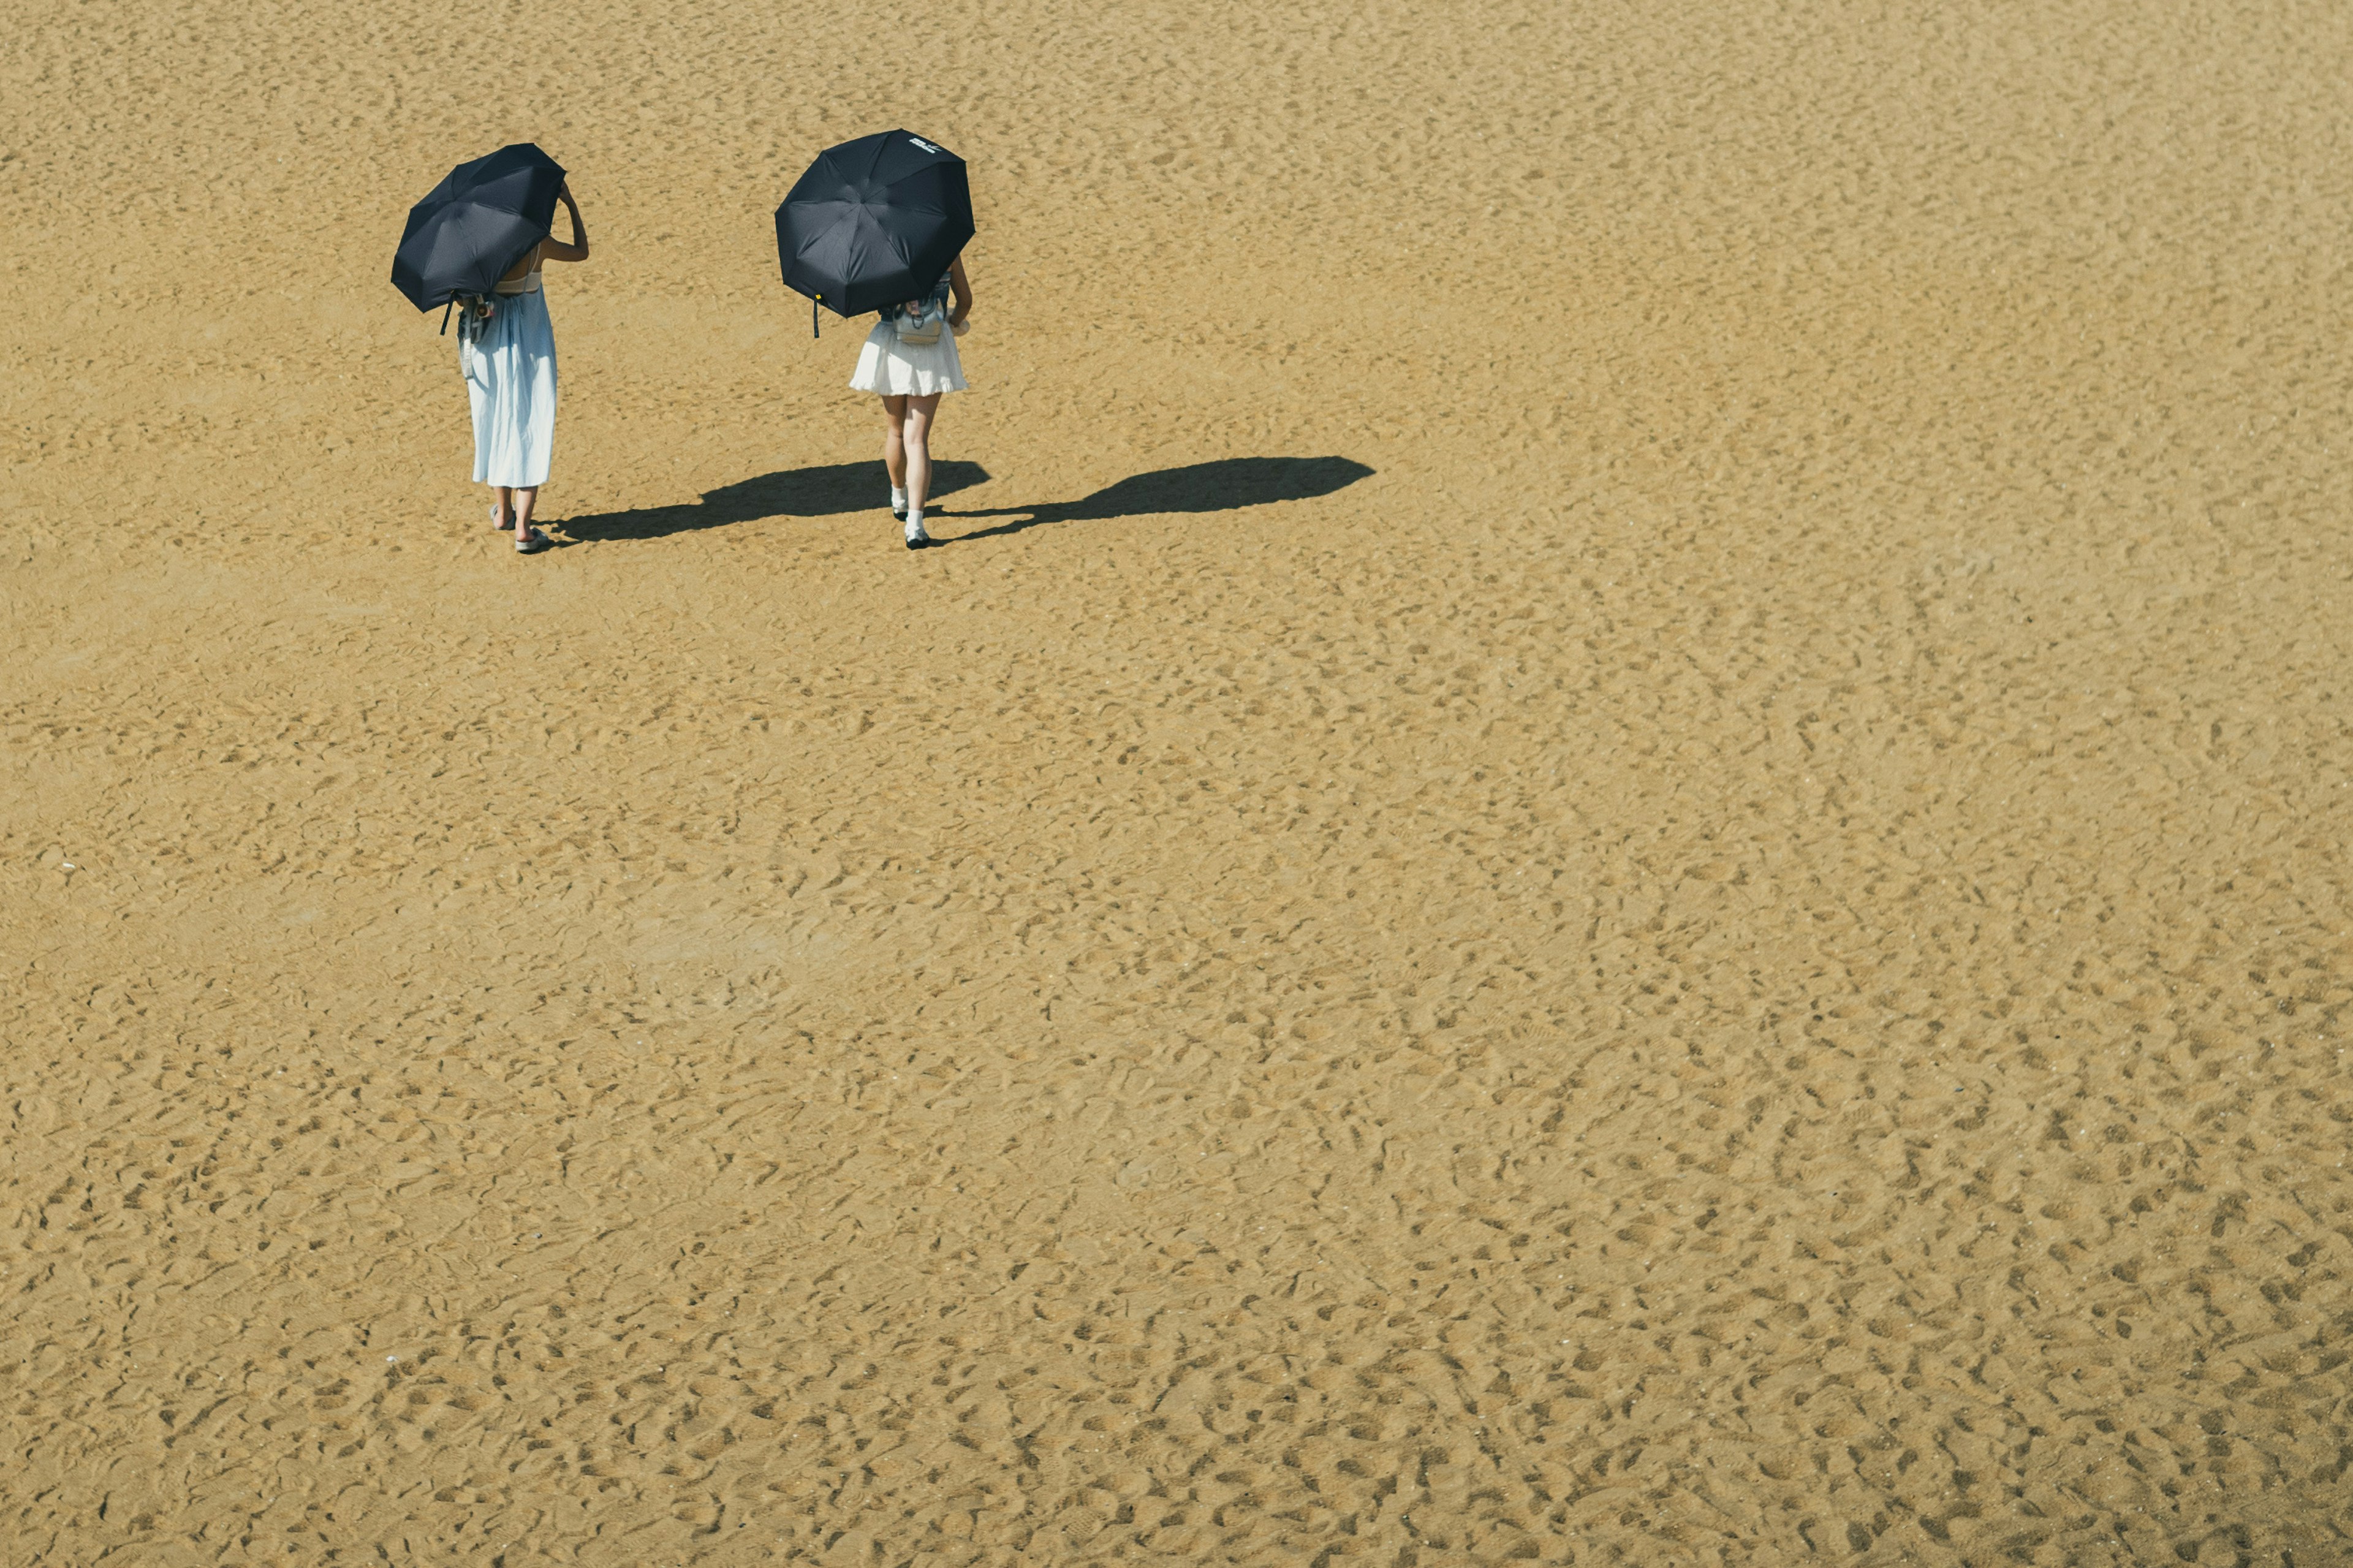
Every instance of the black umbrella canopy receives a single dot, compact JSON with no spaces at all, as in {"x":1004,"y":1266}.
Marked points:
{"x":476,"y":225}
{"x":874,"y":222}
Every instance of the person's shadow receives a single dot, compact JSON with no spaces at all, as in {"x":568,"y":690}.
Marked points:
{"x":1227,"y":485}
{"x":791,"y":492}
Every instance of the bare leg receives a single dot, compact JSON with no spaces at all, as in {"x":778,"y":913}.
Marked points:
{"x":502,"y":505}
{"x":894,"y":451}
{"x":917,"y":440}
{"x":525,"y":498}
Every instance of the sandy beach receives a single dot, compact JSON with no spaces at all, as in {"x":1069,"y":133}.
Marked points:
{"x":1615,"y":834}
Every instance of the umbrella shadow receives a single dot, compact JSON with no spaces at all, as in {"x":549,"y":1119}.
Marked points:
{"x":827,"y":491}
{"x":1228,"y":484}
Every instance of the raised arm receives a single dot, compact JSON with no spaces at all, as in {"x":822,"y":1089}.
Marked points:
{"x":962,"y":289}
{"x":553,"y":249}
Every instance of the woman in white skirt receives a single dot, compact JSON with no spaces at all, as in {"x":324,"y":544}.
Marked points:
{"x":910,"y":358}
{"x":507,"y":353}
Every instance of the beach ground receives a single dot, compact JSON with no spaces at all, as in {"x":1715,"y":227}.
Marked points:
{"x":1616,"y":833}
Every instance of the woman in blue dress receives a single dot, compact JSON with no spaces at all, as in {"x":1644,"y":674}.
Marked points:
{"x":508,"y":354}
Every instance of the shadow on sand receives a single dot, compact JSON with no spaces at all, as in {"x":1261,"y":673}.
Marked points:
{"x":793,"y":492}
{"x":1228,"y":484}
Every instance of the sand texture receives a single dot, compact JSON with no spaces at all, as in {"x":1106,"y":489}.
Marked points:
{"x":1616,"y":835}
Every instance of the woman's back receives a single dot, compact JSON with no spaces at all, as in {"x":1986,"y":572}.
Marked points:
{"x":524,"y":279}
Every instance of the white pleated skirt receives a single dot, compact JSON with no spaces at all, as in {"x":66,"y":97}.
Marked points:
{"x":510,"y":382}
{"x":903,"y":369}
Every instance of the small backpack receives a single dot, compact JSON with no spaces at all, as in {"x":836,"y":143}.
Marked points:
{"x":922,"y":330}
{"x":920,"y":322}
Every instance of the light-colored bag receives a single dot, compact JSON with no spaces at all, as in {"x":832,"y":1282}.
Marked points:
{"x":922,"y":330}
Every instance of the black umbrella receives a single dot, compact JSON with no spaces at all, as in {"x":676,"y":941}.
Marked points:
{"x":873,"y":223}
{"x":476,"y":225}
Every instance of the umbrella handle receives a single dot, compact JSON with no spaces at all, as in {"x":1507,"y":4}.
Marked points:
{"x":445,"y":317}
